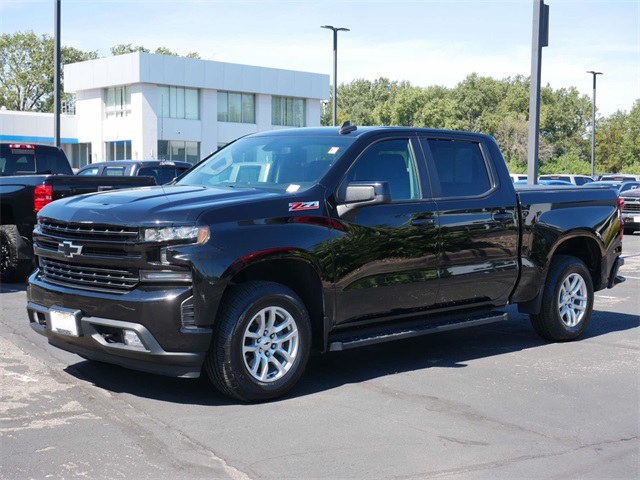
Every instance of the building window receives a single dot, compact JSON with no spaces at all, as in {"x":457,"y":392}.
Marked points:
{"x":179,"y":151}
{"x":178,"y":102}
{"x":80,"y":154}
{"x":118,"y":102}
{"x":236,"y":107}
{"x":287,"y":111}
{"x":118,"y":150}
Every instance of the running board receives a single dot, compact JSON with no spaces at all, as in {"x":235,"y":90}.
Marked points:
{"x":361,"y":339}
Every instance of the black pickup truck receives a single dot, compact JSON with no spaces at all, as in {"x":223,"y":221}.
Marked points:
{"x":316,"y":238}
{"x":31,"y":176}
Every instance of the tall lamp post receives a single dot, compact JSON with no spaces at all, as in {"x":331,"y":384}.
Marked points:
{"x":593,"y":123}
{"x":335,"y":67}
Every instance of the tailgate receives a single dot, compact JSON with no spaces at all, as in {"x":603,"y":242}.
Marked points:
{"x":69,"y":185}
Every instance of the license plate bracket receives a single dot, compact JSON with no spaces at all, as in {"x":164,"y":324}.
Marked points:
{"x":65,"y":321}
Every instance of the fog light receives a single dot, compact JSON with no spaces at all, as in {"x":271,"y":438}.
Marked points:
{"x":132,"y":339}
{"x":165,"y":276}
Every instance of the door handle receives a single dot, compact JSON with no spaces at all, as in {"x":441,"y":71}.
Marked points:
{"x":502,"y":217}
{"x":423,"y":222}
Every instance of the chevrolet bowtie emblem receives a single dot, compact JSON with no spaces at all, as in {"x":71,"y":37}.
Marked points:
{"x":69,"y":250}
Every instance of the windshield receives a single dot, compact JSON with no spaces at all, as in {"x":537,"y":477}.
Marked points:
{"x":286,"y":163}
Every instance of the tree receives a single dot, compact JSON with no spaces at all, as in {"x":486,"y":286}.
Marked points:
{"x":26,"y":60}
{"x":124,"y":48}
{"x":631,"y":141}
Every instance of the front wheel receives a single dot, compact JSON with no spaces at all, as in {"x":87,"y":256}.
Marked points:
{"x":12,"y":269}
{"x":567,"y":300}
{"x":261,"y":342}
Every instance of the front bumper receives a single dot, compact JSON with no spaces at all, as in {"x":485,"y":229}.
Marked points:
{"x":166,"y":347}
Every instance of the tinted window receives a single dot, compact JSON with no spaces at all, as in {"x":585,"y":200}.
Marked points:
{"x":582,"y":180}
{"x":162,"y":174}
{"x":457,"y":168}
{"x":113,"y":171}
{"x":390,"y":161}
{"x":89,"y":171}
{"x":282,"y":162}
{"x":20,"y":161}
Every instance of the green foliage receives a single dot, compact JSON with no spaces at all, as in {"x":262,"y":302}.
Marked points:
{"x":27,"y":67}
{"x":501,"y":108}
{"x":482,"y":104}
{"x":566,"y":163}
{"x":122,"y":49}
{"x":165,"y":51}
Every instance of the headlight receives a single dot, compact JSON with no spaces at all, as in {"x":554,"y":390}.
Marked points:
{"x":189,"y":234}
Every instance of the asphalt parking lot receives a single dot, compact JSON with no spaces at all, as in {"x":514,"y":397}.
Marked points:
{"x":487,"y":402}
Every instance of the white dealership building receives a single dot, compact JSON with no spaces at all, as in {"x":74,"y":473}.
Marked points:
{"x":147,"y":106}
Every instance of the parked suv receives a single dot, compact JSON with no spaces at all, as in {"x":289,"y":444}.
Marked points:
{"x":575,"y":179}
{"x":162,"y":171}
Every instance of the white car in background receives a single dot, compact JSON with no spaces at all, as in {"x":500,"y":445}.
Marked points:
{"x":575,"y":179}
{"x":518,"y":176}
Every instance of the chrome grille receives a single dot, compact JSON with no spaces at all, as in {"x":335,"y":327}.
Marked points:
{"x":51,"y":244}
{"x":80,"y":231}
{"x":88,"y":277}
{"x":631,"y":205}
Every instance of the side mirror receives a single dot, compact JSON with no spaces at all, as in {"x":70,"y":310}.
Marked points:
{"x":364,"y":194}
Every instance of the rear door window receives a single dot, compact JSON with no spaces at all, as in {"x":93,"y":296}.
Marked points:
{"x":90,"y":171}
{"x":457,"y":168}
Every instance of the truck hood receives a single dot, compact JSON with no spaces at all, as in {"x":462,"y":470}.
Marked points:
{"x":149,"y":205}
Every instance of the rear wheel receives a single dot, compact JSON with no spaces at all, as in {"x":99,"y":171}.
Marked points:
{"x":261,"y":342}
{"x":567,"y":300}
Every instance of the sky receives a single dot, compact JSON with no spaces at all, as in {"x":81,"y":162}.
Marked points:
{"x":425,"y":42}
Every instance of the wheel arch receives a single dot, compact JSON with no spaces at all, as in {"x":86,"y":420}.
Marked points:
{"x":6,"y":214}
{"x":298,"y":274}
{"x":587,"y":249}
{"x":577,"y":244}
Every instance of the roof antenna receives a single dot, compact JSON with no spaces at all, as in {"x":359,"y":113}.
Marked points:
{"x":347,"y":128}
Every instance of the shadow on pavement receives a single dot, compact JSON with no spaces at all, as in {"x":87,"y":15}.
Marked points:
{"x":12,"y":287}
{"x":332,"y":370}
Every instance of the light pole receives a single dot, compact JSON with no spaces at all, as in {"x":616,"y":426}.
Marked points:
{"x":335,"y":67}
{"x":593,"y":123}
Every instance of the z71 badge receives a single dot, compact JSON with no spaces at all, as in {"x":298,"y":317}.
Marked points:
{"x":300,"y":206}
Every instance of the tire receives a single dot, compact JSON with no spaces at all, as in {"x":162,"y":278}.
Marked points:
{"x":567,"y":300}
{"x":261,"y":342}
{"x":11,"y":268}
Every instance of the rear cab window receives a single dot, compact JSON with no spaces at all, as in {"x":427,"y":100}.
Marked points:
{"x":163,"y":174}
{"x":29,"y":159}
{"x":114,"y":171}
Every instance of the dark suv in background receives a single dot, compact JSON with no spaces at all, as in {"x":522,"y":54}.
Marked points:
{"x":162,"y":171}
